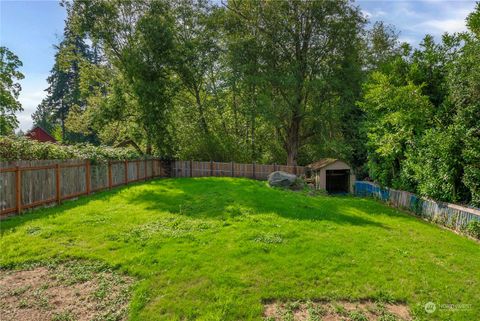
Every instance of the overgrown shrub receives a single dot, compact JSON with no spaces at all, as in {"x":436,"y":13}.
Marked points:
{"x":473,"y":229}
{"x":20,"y":148}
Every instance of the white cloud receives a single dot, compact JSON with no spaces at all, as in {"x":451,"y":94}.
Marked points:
{"x":445,"y":25}
{"x":33,"y":91}
{"x":410,"y":40}
{"x":415,"y":19}
{"x":366,"y":14}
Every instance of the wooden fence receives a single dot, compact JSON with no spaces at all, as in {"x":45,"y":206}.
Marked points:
{"x":28,"y":184}
{"x":450,"y":215}
{"x":253,"y":170}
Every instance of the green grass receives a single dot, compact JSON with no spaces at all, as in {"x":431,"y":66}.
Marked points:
{"x":218,"y":248}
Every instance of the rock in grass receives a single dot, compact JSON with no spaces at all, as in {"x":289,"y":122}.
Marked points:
{"x":281,"y":179}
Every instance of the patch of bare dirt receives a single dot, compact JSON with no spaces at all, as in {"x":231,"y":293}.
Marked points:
{"x":73,"y":291}
{"x":336,"y":311}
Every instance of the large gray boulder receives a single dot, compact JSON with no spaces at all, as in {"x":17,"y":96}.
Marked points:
{"x":280,"y":178}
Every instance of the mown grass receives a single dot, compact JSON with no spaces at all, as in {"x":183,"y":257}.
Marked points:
{"x":219,"y":248}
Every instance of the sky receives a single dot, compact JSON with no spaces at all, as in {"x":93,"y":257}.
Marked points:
{"x":31,"y":28}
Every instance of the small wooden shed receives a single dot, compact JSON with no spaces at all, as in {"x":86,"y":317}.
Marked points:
{"x":332,"y":175}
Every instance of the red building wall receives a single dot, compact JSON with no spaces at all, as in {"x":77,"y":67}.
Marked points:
{"x":41,"y":135}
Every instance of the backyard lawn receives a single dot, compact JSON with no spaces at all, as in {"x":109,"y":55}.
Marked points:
{"x":223,"y":248}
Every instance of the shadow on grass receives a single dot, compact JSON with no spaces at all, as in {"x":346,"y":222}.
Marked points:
{"x":12,"y":222}
{"x":214,"y":198}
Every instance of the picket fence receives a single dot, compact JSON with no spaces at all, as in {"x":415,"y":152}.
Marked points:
{"x":450,"y":215}
{"x":29,"y":184}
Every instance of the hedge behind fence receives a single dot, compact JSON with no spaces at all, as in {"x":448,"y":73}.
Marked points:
{"x":14,"y":148}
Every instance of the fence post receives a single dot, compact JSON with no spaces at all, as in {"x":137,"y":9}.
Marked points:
{"x":233,"y":169}
{"x":109,"y":174}
{"x":295,"y":169}
{"x":211,"y":168}
{"x":18,"y":189}
{"x":87,"y":175}
{"x":253,"y":167}
{"x":274,"y":167}
{"x":145,"y":169}
{"x":191,"y":168}
{"x":126,"y":172}
{"x":57,"y":183}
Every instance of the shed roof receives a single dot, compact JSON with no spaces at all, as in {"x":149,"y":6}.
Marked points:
{"x":322,"y":163}
{"x":40,"y":134}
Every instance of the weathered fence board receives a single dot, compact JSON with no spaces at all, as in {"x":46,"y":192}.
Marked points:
{"x":27,"y":184}
{"x":98,"y":177}
{"x":182,"y":168}
{"x":450,"y":215}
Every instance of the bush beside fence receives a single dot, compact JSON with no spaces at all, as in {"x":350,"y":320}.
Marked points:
{"x":450,"y":215}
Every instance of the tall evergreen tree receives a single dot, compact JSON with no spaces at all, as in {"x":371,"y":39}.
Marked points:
{"x":63,"y":92}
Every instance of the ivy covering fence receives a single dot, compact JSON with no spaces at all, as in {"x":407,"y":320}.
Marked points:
{"x":459,"y":218}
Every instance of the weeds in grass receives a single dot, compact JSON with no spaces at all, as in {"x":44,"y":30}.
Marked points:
{"x":315,"y":311}
{"x":82,"y":281}
{"x":63,"y":316}
{"x":357,"y":316}
{"x":198,"y":243}
{"x":268,"y":238}
{"x":387,"y":317}
{"x":34,"y":230}
{"x":337,"y":310}
{"x":23,"y":304}
{"x":19,"y":291}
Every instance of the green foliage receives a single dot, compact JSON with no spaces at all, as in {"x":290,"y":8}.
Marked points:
{"x":194,"y":262}
{"x":464,"y":94}
{"x":395,"y":116}
{"x":63,"y":92}
{"x":473,"y":228}
{"x":9,"y":90}
{"x":434,"y":165}
{"x":422,"y":116}
{"x":20,"y":148}
{"x":297,"y":72}
{"x":271,"y":81}
{"x":217,"y":85}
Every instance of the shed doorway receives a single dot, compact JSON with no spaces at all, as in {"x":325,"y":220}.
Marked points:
{"x":337,"y":181}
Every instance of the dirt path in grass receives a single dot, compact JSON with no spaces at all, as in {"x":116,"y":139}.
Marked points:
{"x":63,"y":292}
{"x":336,"y":311}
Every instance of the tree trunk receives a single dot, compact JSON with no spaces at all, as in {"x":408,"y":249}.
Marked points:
{"x":235,"y":107}
{"x":148,"y":149}
{"x":203,"y":121}
{"x":293,"y":142}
